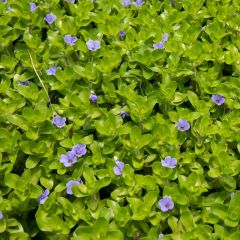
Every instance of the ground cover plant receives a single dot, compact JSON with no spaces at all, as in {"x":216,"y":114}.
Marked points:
{"x":119,"y":119}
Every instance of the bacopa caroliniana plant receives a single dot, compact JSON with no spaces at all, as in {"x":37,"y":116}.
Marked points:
{"x":119,"y":120}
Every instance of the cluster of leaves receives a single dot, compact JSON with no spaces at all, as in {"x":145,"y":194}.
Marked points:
{"x":141,"y":92}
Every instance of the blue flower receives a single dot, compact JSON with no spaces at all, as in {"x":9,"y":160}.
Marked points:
{"x":165,"y":37}
{"x":44,"y":196}
{"x":4,"y":1}
{"x":218,"y":99}
{"x":169,"y":162}
{"x":52,"y":70}
{"x":126,"y":3}
{"x":93,"y":97}
{"x":70,"y":1}
{"x":138,"y":3}
{"x":183,"y":125}
{"x":160,"y":45}
{"x":68,"y":159}
{"x":50,"y":18}
{"x":122,"y":33}
{"x":33,"y":6}
{"x":166,"y":204}
{"x":59,"y":122}
{"x":79,"y":150}
{"x":70,"y":40}
{"x":119,"y":167}
{"x":25,"y":83}
{"x":124,"y":114}
{"x":70,"y":184}
{"x":93,"y":45}
{"x":1,"y":215}
{"x":160,"y":236}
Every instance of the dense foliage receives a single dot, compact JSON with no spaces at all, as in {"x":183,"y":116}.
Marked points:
{"x":119,"y":119}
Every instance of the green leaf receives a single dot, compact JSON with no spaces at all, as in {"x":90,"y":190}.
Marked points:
{"x":11,"y":180}
{"x":5,"y":140}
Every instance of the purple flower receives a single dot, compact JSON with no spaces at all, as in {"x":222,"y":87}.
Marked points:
{"x":160,"y":236}
{"x":93,"y":97}
{"x":70,"y":184}
{"x":79,"y":150}
{"x":138,"y":3}
{"x":166,"y":203}
{"x":44,"y":196}
{"x":93,"y":45}
{"x":59,"y":122}
{"x":119,"y":167}
{"x":126,"y":3}
{"x":4,"y":1}
{"x":183,"y":125}
{"x":1,"y":215}
{"x":52,"y":70}
{"x":33,"y":6}
{"x":232,"y":194}
{"x":124,"y":113}
{"x":169,"y":162}
{"x":158,"y":45}
{"x":9,"y":9}
{"x":165,"y":37}
{"x":70,"y":1}
{"x":50,"y":18}
{"x":70,"y":40}
{"x":68,"y":159}
{"x":218,"y":99}
{"x":25,"y":83}
{"x":122,"y":33}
